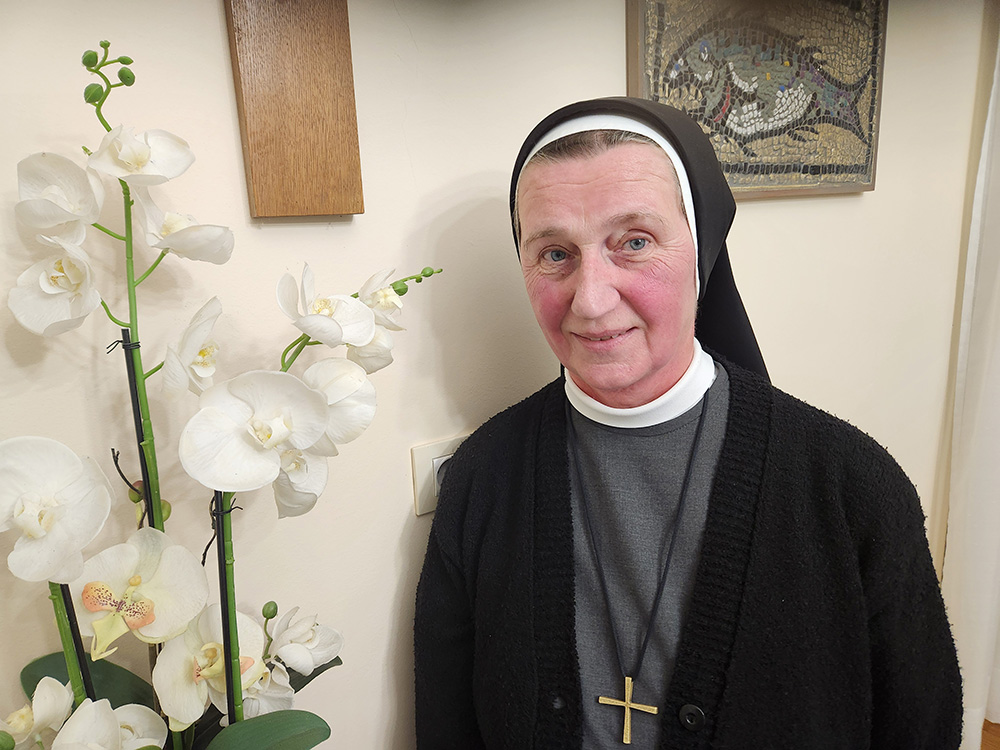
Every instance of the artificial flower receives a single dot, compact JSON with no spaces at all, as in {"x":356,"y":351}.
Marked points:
{"x":96,"y":726}
{"x":350,"y":398}
{"x":374,"y":355}
{"x":182,"y":234}
{"x":335,"y":320}
{"x":190,"y":671}
{"x":190,"y":364}
{"x":56,"y":500}
{"x":302,"y":644}
{"x":272,"y":692}
{"x":55,"y":295}
{"x":58,"y":197}
{"x":382,"y":299}
{"x":147,"y":585}
{"x":235,"y":441}
{"x":149,"y":158}
{"x":300,"y":482}
{"x":45,"y":713}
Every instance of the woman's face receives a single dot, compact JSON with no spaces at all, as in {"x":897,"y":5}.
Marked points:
{"x":609,"y":265}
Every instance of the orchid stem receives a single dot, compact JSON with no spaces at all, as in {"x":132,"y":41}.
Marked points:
{"x":72,"y":644}
{"x":108,"y":232}
{"x":114,"y":320}
{"x":151,"y":268}
{"x":293,"y":350}
{"x":153,"y":371}
{"x":227,"y":598}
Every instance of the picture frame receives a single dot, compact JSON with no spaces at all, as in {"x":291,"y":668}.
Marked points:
{"x":788,"y":90}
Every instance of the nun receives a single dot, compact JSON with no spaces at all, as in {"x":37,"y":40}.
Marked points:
{"x":659,"y":548}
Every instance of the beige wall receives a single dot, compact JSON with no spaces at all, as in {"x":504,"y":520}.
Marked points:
{"x":853,"y":297}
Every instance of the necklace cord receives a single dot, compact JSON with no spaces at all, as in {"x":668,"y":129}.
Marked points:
{"x":661,"y":585}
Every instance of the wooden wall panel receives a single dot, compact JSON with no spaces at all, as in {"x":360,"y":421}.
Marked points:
{"x":295,"y":94}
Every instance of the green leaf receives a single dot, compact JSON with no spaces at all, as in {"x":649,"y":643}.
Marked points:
{"x":117,"y":684}
{"x":281,"y":730}
{"x":299,"y":681}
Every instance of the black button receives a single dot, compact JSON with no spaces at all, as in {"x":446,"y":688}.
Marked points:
{"x":558,"y":703}
{"x":691,"y":717}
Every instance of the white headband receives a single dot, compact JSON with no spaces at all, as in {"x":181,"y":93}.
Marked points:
{"x":621,"y":122}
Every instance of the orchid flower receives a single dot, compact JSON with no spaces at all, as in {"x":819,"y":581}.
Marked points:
{"x":302,"y":644}
{"x":191,"y":364}
{"x":190,"y":671}
{"x":382,"y":299}
{"x":96,"y":726}
{"x":55,"y":295}
{"x":374,"y":355}
{"x":56,"y":500}
{"x":58,"y":197}
{"x":339,"y":319}
{"x":235,"y":441}
{"x":272,"y":692}
{"x":45,"y":713}
{"x":181,"y":234}
{"x":300,"y":482}
{"x":350,"y":399}
{"x":149,"y":158}
{"x":147,"y":585}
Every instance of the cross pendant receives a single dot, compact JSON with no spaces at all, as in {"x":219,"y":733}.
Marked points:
{"x":628,"y":705}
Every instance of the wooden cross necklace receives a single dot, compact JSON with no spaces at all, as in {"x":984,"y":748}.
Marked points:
{"x":627,"y":703}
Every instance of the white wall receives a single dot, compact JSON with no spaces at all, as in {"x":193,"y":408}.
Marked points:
{"x":852,"y":296}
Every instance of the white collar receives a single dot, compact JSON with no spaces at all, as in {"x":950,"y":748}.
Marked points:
{"x":684,"y":394}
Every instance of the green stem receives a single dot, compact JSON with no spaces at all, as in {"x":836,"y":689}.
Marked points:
{"x":146,"y":442}
{"x":68,"y":647}
{"x":153,"y":371}
{"x":151,"y":268}
{"x":293,"y":350}
{"x":114,"y":320}
{"x":227,"y":595}
{"x":98,"y":106}
{"x":108,"y":232}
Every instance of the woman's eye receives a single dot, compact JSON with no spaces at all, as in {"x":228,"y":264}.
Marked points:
{"x":637,"y":243}
{"x":556,"y":255}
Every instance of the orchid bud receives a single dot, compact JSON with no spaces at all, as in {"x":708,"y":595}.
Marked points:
{"x":135,"y":495}
{"x":6,"y":741}
{"x":105,"y":44}
{"x":126,"y":76}
{"x":269,"y":610}
{"x":89,"y":58}
{"x":166,"y":509}
{"x":125,"y":60}
{"x":427,"y":272}
{"x":93,"y":93}
{"x":400,"y":287}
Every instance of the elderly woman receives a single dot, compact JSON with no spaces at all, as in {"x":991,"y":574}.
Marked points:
{"x":659,"y":548}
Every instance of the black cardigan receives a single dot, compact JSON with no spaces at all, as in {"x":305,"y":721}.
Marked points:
{"x":816,"y":619}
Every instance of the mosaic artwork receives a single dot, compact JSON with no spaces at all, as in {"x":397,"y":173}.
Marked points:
{"x":788,"y":90}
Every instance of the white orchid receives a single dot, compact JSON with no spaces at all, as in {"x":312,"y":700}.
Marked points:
{"x":382,"y":299}
{"x":190,"y":364}
{"x":303,"y":644}
{"x":335,"y":320}
{"x":190,"y":671}
{"x":182,"y":234}
{"x":147,"y":585}
{"x":149,"y":158}
{"x":55,"y":295}
{"x":56,"y":500}
{"x":350,"y":398}
{"x":272,"y":692}
{"x":96,"y":726}
{"x":58,"y":198}
{"x":300,"y":482}
{"x":236,"y":440}
{"x":374,"y":355}
{"x":42,"y":716}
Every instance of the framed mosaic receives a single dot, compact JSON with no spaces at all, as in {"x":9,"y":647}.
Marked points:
{"x":788,"y":90}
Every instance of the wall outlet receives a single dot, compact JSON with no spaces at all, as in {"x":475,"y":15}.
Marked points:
{"x":427,"y":462}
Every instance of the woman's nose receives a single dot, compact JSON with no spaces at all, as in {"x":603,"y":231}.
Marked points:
{"x":595,"y":293}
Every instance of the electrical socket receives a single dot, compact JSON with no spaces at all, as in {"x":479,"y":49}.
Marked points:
{"x":426,"y":461}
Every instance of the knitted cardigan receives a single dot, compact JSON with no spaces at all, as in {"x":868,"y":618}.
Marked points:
{"x":816,"y":619}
